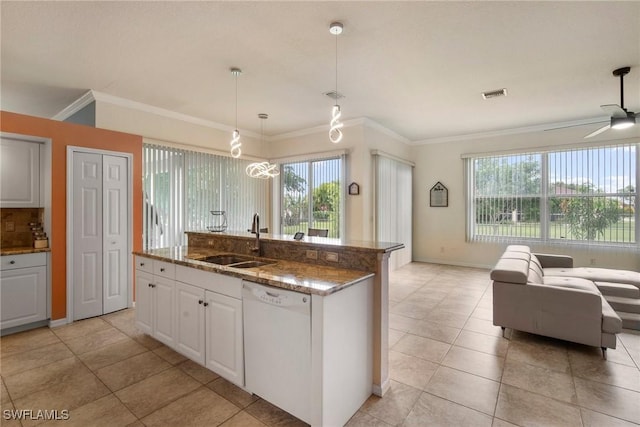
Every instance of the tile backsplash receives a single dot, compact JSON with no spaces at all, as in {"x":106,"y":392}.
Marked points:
{"x":15,"y":230}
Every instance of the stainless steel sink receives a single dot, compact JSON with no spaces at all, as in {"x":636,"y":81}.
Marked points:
{"x":251,"y":264}
{"x":226,"y":259}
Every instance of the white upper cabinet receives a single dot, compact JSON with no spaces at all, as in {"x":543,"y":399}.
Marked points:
{"x":19,"y":174}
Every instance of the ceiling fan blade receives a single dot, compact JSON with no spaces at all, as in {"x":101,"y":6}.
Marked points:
{"x":599,"y":131}
{"x":614,"y":111}
{"x":588,"y":123}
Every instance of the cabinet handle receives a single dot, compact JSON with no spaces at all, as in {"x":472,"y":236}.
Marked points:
{"x":150,"y":285}
{"x":206,"y":304}
{"x":12,"y":262}
{"x":142,"y":264}
{"x":200,"y":301}
{"x":162,"y":270}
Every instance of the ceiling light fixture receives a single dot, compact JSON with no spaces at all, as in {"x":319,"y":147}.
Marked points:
{"x":235,"y":138}
{"x":335,"y":134}
{"x":262,"y":170}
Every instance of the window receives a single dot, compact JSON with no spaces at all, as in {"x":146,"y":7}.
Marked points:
{"x":182,"y":187}
{"x":312,"y":195}
{"x":582,"y":195}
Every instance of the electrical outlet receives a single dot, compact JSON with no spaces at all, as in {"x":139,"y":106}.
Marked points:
{"x":331,"y":256}
{"x":312,"y":254}
{"x":10,"y":226}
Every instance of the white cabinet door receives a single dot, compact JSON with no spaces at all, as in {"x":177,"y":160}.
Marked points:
{"x":19,"y":173}
{"x":225,"y":349}
{"x":190,"y":325}
{"x":24,"y":296}
{"x":144,"y":300}
{"x":163,"y":291}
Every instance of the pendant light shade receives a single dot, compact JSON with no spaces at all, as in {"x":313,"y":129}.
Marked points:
{"x":335,"y":125}
{"x":262,"y":170}
{"x":235,"y":137}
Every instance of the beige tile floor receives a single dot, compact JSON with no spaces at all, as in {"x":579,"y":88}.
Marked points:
{"x":449,"y":366}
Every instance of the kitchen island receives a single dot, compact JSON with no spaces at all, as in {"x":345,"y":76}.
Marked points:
{"x":179,"y":295}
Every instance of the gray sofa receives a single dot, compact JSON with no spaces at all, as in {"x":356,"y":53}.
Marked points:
{"x":527,"y":298}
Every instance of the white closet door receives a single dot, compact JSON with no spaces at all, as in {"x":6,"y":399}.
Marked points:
{"x":115,"y":229}
{"x":87,"y":235}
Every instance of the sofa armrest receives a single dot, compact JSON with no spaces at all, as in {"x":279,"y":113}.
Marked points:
{"x":555,"y":261}
{"x":565,"y":313}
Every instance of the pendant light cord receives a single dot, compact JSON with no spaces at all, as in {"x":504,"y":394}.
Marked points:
{"x":336,"y":69}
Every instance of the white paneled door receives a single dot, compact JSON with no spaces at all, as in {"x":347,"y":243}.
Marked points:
{"x":100,"y":232}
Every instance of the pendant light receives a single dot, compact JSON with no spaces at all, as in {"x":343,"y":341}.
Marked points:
{"x":335,"y":134}
{"x":262,"y":170}
{"x":235,"y":138}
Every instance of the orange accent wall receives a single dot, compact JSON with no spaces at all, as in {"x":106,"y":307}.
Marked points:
{"x":63,"y":134}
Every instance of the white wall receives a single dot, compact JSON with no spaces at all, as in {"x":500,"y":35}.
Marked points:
{"x":439,"y":233}
{"x":162,"y":128}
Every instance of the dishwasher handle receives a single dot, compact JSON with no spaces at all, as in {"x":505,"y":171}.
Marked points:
{"x":276,"y":297}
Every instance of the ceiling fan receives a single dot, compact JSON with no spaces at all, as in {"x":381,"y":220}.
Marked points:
{"x":620,"y":117}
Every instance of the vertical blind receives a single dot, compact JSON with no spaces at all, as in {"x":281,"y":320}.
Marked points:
{"x":393,"y":206}
{"x":585,"y":195}
{"x":182,"y":187}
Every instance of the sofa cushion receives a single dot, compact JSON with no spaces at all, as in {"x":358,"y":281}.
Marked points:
{"x":571,"y":282}
{"x":597,"y":274}
{"x":511,"y":270}
{"x":611,"y":322}
{"x":535,"y":271}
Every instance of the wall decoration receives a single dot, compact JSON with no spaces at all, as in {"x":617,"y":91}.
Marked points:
{"x":439,"y":196}
{"x":354,"y":189}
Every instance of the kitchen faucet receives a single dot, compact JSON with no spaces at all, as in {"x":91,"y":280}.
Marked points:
{"x":255,"y":228}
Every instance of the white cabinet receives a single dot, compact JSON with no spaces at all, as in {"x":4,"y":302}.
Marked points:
{"x":19,"y":173}
{"x":198,"y":315}
{"x":190,"y":329}
{"x":225,"y":349}
{"x":155,"y":296}
{"x":23,"y":286}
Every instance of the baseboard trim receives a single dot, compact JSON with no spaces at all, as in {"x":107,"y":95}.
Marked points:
{"x":455,"y":263}
{"x":58,"y":322}
{"x":380,"y":390}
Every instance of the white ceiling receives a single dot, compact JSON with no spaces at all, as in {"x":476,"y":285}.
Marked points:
{"x":417,"y":68}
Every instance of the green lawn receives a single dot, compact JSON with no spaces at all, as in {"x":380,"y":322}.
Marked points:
{"x":622,"y":231}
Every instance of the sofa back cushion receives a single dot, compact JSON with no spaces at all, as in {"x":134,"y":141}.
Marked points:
{"x":512,"y":267}
{"x":536,"y":273}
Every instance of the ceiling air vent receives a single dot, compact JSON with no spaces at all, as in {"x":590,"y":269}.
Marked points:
{"x":334,"y":95}
{"x":494,"y":93}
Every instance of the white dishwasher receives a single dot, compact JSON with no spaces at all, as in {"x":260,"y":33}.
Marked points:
{"x":277,"y":347}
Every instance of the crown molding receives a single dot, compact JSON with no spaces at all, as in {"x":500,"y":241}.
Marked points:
{"x":512,"y":131}
{"x":93,"y":95}
{"x":75,"y":106}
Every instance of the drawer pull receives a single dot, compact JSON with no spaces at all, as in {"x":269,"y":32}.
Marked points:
{"x":142,"y":264}
{"x":149,"y":285}
{"x":162,"y":270}
{"x":12,"y":262}
{"x":206,"y":304}
{"x":200,"y":301}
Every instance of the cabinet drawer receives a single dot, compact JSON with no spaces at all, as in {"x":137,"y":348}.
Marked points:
{"x":144,"y":264}
{"x":11,"y":262}
{"x":225,"y":285}
{"x":164,"y":269}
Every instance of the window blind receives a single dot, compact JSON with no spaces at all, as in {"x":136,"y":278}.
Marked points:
{"x":582,"y":195}
{"x":182,"y":187}
{"x":393,"y":206}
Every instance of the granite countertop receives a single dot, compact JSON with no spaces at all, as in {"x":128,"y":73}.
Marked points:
{"x":19,"y":250}
{"x":295,"y":276}
{"x":354,"y":245}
